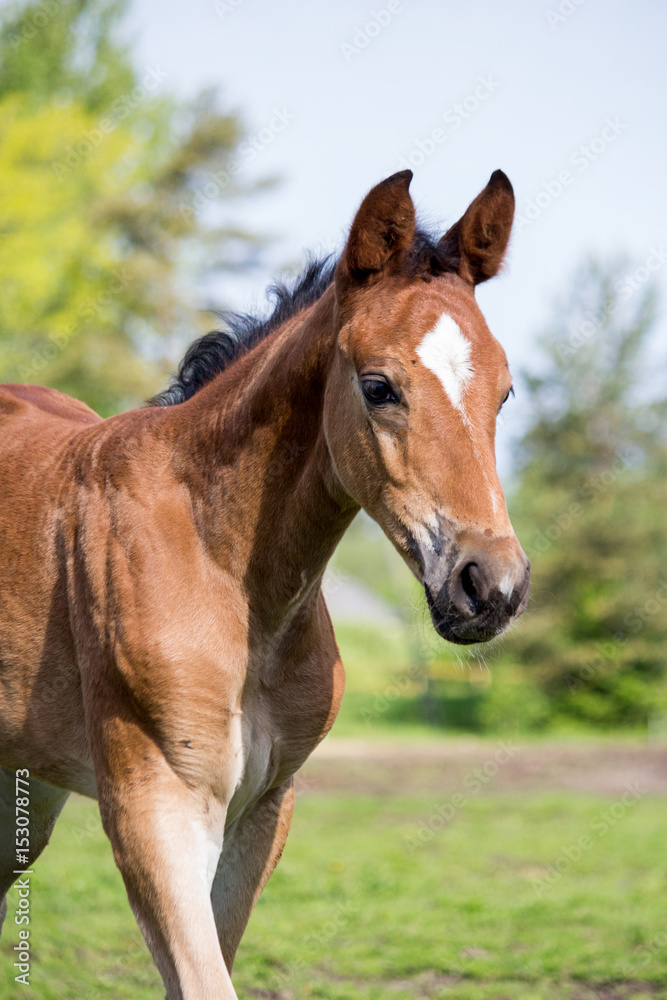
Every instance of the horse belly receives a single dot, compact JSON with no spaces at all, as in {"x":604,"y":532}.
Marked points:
{"x":41,"y":712}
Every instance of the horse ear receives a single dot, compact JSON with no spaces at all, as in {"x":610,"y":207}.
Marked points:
{"x":383,"y":226}
{"x":475,"y":245}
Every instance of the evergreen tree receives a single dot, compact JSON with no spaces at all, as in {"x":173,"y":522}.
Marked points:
{"x":590,"y":511}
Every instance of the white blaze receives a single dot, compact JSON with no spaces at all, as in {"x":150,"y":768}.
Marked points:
{"x":446,"y":352}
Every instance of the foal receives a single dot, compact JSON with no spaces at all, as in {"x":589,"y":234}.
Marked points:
{"x":164,"y":642}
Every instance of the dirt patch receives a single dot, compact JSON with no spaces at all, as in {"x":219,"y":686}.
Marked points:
{"x":614,"y":991}
{"x":357,"y":766}
{"x":430,"y":984}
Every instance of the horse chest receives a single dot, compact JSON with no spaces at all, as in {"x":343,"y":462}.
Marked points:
{"x":283,"y":721}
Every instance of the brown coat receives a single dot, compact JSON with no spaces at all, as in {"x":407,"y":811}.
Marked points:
{"x":164,"y":641}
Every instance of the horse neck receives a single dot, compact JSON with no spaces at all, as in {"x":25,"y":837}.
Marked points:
{"x":269,"y":502}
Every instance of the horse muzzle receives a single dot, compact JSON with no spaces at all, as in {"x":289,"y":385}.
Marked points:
{"x":478,"y":592}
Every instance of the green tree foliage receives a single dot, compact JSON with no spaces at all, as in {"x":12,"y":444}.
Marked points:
{"x":590,"y":510}
{"x":104,"y":230}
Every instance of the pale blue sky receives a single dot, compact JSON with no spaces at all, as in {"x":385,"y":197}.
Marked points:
{"x":550,"y":89}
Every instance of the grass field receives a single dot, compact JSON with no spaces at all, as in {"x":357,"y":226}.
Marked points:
{"x":516,"y":894}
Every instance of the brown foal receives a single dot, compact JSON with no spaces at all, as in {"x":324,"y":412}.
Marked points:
{"x":164,"y":642}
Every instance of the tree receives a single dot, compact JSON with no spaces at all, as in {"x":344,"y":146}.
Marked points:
{"x":589,"y":509}
{"x":107,"y":228}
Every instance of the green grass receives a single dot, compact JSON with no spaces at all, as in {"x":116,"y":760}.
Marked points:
{"x":360,"y":910}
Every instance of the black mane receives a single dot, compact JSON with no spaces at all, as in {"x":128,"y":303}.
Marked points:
{"x":215,"y":351}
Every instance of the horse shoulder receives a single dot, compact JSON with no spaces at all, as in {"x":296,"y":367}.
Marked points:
{"x":162,"y":632}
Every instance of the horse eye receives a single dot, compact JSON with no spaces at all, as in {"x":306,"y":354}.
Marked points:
{"x":510,"y":392}
{"x":377,"y":391}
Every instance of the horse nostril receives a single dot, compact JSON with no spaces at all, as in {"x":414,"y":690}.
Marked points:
{"x":523,"y":592}
{"x":471,"y":583}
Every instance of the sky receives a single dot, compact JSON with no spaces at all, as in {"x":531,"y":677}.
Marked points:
{"x":567,"y":97}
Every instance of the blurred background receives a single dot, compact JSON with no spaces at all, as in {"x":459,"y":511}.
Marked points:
{"x":159,"y":161}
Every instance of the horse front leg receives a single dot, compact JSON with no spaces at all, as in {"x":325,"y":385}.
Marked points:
{"x":166,"y":835}
{"x":253,"y":847}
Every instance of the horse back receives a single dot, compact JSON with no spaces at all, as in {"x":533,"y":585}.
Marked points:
{"x":23,"y":400}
